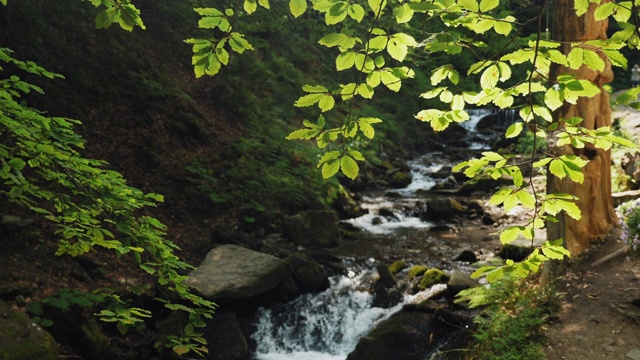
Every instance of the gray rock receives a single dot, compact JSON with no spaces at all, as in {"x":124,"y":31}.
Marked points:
{"x":232,"y":272}
{"x":313,"y":228}
{"x":459,"y":281}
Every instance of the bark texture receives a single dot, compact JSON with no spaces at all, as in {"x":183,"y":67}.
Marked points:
{"x":594,"y":193}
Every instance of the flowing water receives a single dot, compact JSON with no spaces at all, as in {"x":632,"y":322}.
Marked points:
{"x":328,"y":325}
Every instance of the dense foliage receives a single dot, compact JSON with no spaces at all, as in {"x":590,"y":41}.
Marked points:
{"x":380,"y":45}
{"x":509,"y":326}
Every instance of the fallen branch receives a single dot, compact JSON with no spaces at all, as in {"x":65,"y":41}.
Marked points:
{"x":610,"y":256}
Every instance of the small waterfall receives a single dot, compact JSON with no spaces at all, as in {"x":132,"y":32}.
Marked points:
{"x":327,"y":325}
{"x":324,"y":326}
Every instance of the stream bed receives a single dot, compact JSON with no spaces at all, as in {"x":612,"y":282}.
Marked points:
{"x":328,"y":325}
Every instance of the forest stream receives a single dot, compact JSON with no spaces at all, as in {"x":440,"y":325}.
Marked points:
{"x":328,"y":325}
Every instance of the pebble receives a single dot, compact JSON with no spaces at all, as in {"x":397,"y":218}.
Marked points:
{"x":634,"y":354}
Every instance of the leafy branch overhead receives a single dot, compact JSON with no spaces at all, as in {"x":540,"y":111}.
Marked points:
{"x":377,"y":44}
{"x":371,"y":55}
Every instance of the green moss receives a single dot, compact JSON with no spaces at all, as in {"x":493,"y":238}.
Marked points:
{"x":416,"y":270}
{"x":432,"y":277}
{"x":20,"y":340}
{"x":397,"y":266}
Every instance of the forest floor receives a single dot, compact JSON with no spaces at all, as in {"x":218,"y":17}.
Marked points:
{"x":600,"y":309}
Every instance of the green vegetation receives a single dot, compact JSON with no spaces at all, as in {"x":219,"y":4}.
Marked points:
{"x":251,"y":177}
{"x":509,"y":327}
{"x":629,"y":214}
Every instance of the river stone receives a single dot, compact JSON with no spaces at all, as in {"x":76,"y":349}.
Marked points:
{"x":406,"y":335}
{"x":307,"y":274}
{"x":514,"y":252}
{"x":443,"y":208}
{"x":313,"y":228}
{"x":232,"y":272}
{"x":459,"y":281}
{"x":466,"y":255}
{"x":400,"y":179}
{"x":21,"y":339}
{"x":432,"y":277}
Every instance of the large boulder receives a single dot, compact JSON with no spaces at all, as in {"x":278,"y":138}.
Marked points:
{"x":406,"y":335}
{"x":313,"y":228}
{"x":21,"y":339}
{"x":231,"y":272}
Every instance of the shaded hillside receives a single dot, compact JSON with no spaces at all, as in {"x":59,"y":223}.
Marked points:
{"x":143,"y":111}
{"x":215,"y":146}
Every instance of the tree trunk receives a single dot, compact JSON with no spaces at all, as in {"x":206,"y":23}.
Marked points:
{"x":594,"y":193}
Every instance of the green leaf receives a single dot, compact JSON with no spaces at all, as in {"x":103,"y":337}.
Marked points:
{"x":514,"y":130}
{"x":526,"y":199}
{"x":346,"y":60}
{"x":604,"y":11}
{"x":403,"y":13}
{"x":326,"y":103}
{"x":308,"y":100}
{"x":349,"y":167}
{"x":557,"y":168}
{"x":330,"y":168}
{"x":502,"y":27}
{"x":303,"y":134}
{"x":499,"y":197}
{"x":297,"y":7}
{"x":490,"y":77}
{"x":593,"y":60}
{"x":17,"y":163}
{"x":250,"y":6}
{"x":181,"y":349}
{"x":328,"y":156}
{"x":356,"y":154}
{"x":575,"y":58}
{"x":356,"y":12}
{"x":553,"y":98}
{"x":487,"y":5}
{"x":377,"y":5}
{"x":397,"y":49}
{"x":557,"y":252}
{"x":470,"y":5}
{"x":509,"y":234}
{"x":581,"y":6}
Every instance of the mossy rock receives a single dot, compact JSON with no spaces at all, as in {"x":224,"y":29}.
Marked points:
{"x":416,"y":271}
{"x":400,"y":179}
{"x":397,"y":266}
{"x":20,"y":339}
{"x":432,"y":277}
